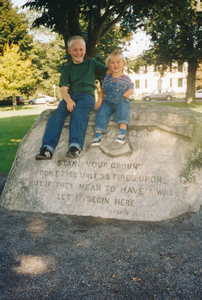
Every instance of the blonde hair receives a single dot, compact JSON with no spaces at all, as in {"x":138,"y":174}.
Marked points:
{"x":118,"y":54}
{"x":73,"y":39}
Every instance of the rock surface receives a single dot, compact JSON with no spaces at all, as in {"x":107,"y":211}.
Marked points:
{"x":152,"y":177}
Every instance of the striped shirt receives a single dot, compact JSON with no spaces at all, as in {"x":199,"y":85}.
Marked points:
{"x":124,"y":79}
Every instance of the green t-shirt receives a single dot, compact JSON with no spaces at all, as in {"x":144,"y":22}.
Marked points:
{"x":80,"y":78}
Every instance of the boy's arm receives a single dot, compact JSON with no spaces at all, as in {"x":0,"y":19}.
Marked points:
{"x":65,"y":95}
{"x":100,"y":99}
{"x":109,"y":71}
{"x":100,"y":69}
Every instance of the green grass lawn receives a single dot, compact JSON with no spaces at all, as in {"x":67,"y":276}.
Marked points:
{"x":15,"y":124}
{"x":12,"y":130}
{"x":196,"y":106}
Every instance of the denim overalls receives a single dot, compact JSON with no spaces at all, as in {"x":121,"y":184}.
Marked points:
{"x":113,"y":103}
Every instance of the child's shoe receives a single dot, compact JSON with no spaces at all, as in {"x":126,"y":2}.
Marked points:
{"x":73,"y":152}
{"x":96,"y":141}
{"x":44,"y":154}
{"x":121,"y":138}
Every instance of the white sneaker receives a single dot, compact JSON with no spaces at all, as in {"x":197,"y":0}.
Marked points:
{"x":121,"y":138}
{"x":96,"y":141}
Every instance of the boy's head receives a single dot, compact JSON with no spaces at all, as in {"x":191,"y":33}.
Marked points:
{"x":76,"y":48}
{"x":116,"y":55}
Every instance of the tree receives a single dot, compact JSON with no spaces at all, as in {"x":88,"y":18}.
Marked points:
{"x":199,"y":77}
{"x":13,"y":27}
{"x":15,"y":74}
{"x":175,"y":27}
{"x":92,"y":19}
{"x":47,"y":61}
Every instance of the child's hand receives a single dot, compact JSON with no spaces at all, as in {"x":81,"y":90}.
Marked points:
{"x":65,"y":95}
{"x":128,"y":93}
{"x":70,"y":105}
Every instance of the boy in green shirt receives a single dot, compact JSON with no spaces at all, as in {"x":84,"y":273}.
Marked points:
{"x":77,"y":84}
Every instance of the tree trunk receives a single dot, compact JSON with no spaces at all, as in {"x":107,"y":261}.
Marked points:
{"x":91,"y":43}
{"x":191,"y":81}
{"x":68,"y":22}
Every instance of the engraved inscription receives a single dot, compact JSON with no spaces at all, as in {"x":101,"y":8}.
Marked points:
{"x":119,"y":188}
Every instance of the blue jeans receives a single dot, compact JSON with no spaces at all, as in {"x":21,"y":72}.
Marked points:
{"x":120,"y":109}
{"x":78,"y":122}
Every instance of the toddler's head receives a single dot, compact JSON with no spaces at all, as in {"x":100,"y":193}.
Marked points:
{"x":116,"y":55}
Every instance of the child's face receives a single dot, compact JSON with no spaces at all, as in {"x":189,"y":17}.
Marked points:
{"x":77,"y":51}
{"x":116,"y":65}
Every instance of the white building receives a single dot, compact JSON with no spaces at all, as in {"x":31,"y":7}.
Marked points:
{"x":149,"y":79}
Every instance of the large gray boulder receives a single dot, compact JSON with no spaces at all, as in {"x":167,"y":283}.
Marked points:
{"x":155,"y":175}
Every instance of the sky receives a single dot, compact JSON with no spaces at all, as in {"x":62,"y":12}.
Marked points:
{"x":18,"y":2}
{"x":139,"y":43}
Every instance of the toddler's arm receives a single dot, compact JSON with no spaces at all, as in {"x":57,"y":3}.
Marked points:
{"x":128,"y":93}
{"x":100,"y":99}
{"x":65,"y":95}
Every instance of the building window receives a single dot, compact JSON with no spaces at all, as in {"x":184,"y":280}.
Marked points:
{"x":137,"y":84}
{"x":145,"y":69}
{"x":180,"y":82}
{"x":145,"y":83}
{"x":171,"y":82}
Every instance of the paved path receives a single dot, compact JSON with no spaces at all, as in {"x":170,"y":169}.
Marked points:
{"x":55,"y":257}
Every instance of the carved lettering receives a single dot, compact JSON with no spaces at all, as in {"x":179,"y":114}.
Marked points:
{"x":110,"y":189}
{"x":163,"y":192}
{"x":119,"y":211}
{"x":65,"y":185}
{"x":40,"y":183}
{"x":124,"y":202}
{"x":122,"y":177}
{"x":69,"y":174}
{"x":69,"y":163}
{"x":132,"y":190}
{"x":97,"y":176}
{"x":49,"y":173}
{"x":63,"y":197}
{"x":89,"y":187}
{"x":100,"y":200}
{"x":98,"y":164}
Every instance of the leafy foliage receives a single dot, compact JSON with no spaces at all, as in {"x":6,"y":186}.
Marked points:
{"x":175,"y":27}
{"x":15,"y":73}
{"x":92,"y":19}
{"x":194,"y":162}
{"x":13,"y":27}
{"x":47,"y":61}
